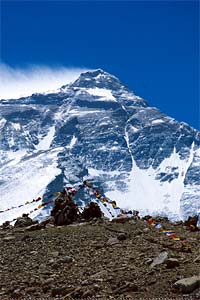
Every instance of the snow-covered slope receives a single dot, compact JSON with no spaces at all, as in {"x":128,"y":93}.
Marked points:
{"x":96,"y":128}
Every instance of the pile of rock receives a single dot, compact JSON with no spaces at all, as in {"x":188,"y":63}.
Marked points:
{"x":24,"y":221}
{"x":191,"y":223}
{"x":92,"y":211}
{"x":65,"y":210}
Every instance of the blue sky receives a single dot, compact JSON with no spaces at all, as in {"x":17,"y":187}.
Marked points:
{"x":151,"y":46}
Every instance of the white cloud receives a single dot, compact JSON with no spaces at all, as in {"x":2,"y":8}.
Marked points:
{"x":19,"y":82}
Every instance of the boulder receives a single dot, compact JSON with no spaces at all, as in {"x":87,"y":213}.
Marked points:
{"x":171,"y":263}
{"x":112,"y":241}
{"x":121,"y":219}
{"x":9,"y":238}
{"x":66,"y":259}
{"x":55,"y":254}
{"x":24,"y":221}
{"x":161,"y":258}
{"x":122,"y":236}
{"x":187,"y":285}
{"x":7,"y":225}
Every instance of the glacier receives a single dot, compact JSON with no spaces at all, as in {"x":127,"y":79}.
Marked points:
{"x":95,"y":128}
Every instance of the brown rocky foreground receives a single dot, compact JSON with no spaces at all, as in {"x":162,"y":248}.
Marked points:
{"x":99,"y":260}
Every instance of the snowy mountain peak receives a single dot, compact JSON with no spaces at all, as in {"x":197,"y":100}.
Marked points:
{"x":97,"y":128}
{"x":97,"y":78}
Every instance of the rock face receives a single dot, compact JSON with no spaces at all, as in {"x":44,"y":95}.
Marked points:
{"x":97,"y":128}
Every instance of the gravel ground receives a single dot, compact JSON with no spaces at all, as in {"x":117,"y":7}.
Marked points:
{"x":96,"y":261}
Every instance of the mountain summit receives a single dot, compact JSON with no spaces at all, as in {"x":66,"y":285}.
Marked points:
{"x":96,"y":128}
{"x":97,"y":78}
